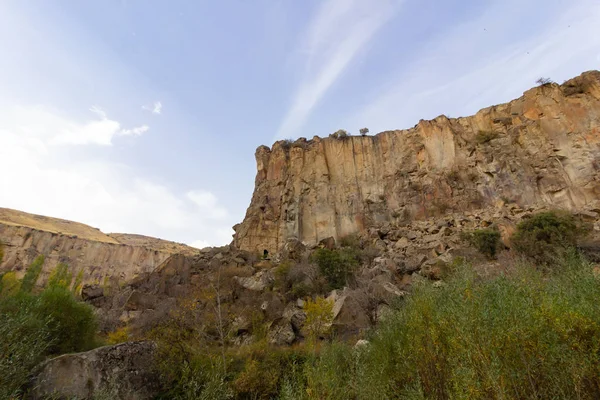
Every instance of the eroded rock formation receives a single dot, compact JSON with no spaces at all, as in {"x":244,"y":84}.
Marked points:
{"x":121,"y":372}
{"x":540,"y":149}
{"x":101,"y":258}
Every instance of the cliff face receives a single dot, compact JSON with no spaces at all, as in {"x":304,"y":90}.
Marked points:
{"x":102,"y":258}
{"x":543,"y":148}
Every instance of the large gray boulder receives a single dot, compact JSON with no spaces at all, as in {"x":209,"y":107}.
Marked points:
{"x":122,"y":372}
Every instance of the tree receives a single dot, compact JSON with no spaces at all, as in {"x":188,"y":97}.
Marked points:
{"x":319,"y":317}
{"x":544,"y":81}
{"x":33,"y":273}
{"x":364,"y":131}
{"x":337,"y":266}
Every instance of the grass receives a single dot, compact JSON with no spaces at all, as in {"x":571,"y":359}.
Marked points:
{"x":526,"y":334}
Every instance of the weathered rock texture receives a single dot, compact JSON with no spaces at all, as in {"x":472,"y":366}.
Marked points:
{"x":102,"y":258}
{"x":120,"y":372}
{"x":543,"y":148}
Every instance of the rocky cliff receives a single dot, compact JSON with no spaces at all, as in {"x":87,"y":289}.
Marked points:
{"x":542,"y":149}
{"x":102,"y":258}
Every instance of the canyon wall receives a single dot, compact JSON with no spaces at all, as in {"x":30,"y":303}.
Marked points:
{"x":540,"y":149}
{"x":100,"y":258}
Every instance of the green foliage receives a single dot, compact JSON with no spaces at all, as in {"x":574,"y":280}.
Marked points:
{"x":337,"y":266}
{"x":73,"y":324}
{"x":60,"y":276}
{"x":547,"y":236}
{"x":319,"y":317}
{"x":10,"y":285}
{"x":364,"y":131}
{"x":78,"y":282}
{"x":484,"y":137}
{"x":25,"y":340}
{"x":526,"y":336}
{"x":487,"y":241}
{"x":32,"y":274}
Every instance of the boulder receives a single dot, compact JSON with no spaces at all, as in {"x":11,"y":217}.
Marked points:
{"x":293,"y":249}
{"x":257,"y":282}
{"x":122,"y":372}
{"x":281,"y":333}
{"x":327,"y":243}
{"x":91,"y":292}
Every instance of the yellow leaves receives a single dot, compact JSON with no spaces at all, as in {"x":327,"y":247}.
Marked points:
{"x":118,"y":336}
{"x":319,"y":316}
{"x":9,"y":284}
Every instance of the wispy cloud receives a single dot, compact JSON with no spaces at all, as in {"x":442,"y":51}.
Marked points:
{"x":449,"y":80}
{"x":155,"y":108}
{"x":337,"y":33}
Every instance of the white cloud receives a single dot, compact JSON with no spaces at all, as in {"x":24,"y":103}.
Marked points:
{"x":462,"y":72}
{"x":137,"y":131}
{"x":339,"y":30}
{"x":208,"y":203}
{"x":45,"y":178}
{"x":155,"y":108}
{"x":56,"y":130}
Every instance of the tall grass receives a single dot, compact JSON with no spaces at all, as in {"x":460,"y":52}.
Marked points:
{"x":528,"y":334}
{"x":524,"y":336}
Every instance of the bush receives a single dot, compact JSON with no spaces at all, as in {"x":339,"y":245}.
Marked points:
{"x":25,"y":340}
{"x":319,"y":317}
{"x":337,"y":266}
{"x":546,"y":236}
{"x":32,"y":274}
{"x":527,"y":336}
{"x":544,"y":81}
{"x":73,"y":324}
{"x":364,"y":131}
{"x":487,"y":241}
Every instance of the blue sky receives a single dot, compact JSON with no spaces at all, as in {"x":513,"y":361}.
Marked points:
{"x":142,"y":116}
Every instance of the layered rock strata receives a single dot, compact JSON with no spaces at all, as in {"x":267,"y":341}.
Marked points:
{"x":540,"y":149}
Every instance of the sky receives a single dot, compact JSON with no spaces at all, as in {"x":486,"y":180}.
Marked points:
{"x":142,"y":116}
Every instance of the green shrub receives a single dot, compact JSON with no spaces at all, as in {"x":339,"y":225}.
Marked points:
{"x":60,"y":276}
{"x":527,"y":336}
{"x":25,"y":340}
{"x":10,"y":285}
{"x":32,"y":274}
{"x":337,"y":266}
{"x":487,"y":241}
{"x":72,"y":324}
{"x":546,"y":236}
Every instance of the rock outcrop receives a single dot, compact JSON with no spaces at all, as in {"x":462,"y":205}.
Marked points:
{"x":121,"y":372}
{"x":103,"y":259}
{"x":540,"y":149}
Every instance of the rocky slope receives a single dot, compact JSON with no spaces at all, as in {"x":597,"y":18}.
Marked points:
{"x":105,"y":259}
{"x":540,"y":149}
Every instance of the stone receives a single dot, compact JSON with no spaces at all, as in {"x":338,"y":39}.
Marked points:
{"x":402,"y":243}
{"x":281,"y":333}
{"x":258,"y":282}
{"x":293,"y":249}
{"x":123,"y":371}
{"x":361,"y":343}
{"x":91,"y":292}
{"x":327,"y":243}
{"x":83,"y":248}
{"x":331,"y":188}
